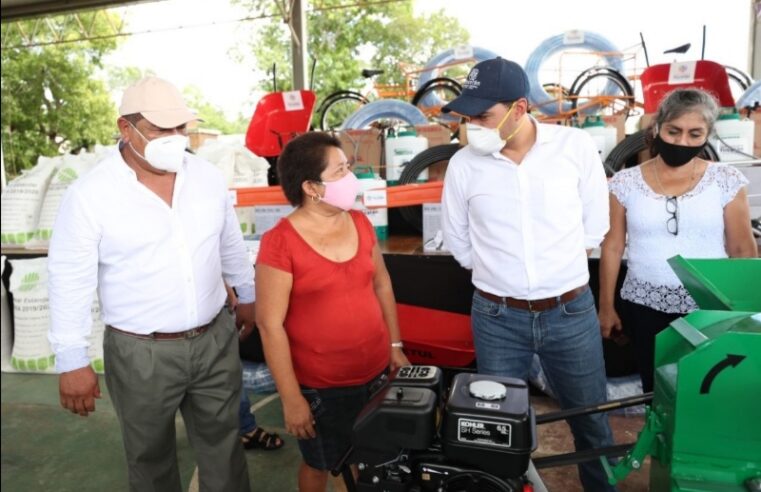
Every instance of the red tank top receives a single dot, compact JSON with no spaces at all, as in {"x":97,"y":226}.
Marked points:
{"x":334,"y":322}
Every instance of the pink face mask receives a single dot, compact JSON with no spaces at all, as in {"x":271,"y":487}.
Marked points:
{"x":342,"y":192}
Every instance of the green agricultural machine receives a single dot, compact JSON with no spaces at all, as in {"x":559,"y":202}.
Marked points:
{"x":703,"y":428}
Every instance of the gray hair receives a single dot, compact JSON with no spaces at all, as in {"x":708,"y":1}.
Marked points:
{"x":682,"y":101}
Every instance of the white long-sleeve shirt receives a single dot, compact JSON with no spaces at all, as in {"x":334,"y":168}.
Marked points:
{"x":156,"y":267}
{"x":524,"y":229}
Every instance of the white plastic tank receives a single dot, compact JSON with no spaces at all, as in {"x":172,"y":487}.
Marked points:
{"x":401,"y":148}
{"x":378,"y":216}
{"x":605,"y":137}
{"x":733,"y":137}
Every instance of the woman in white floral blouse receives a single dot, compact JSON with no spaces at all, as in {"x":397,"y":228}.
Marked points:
{"x":675,"y":203}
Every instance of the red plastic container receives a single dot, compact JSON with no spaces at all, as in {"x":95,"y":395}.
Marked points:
{"x":278,"y":117}
{"x":709,"y":76}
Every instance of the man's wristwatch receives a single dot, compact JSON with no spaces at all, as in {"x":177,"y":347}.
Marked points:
{"x":397,"y":344}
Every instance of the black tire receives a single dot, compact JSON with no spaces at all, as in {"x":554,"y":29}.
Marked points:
{"x":608,"y":74}
{"x":624,"y":154}
{"x":452,"y":89}
{"x":439,"y":83}
{"x":414,"y":214}
{"x":331,"y":104}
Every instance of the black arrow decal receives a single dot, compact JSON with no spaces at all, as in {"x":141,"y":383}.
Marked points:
{"x":730,"y":360}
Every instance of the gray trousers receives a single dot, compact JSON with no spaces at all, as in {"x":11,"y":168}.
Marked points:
{"x":148,"y":380}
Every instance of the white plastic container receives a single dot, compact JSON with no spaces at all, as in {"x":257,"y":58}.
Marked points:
{"x":605,"y":137}
{"x":401,"y":149}
{"x":378,"y":216}
{"x":736,"y":143}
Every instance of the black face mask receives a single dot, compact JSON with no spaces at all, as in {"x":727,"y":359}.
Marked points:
{"x":676,"y":155}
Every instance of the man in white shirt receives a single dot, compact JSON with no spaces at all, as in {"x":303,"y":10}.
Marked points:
{"x":523,"y":202}
{"x":153,"y":228}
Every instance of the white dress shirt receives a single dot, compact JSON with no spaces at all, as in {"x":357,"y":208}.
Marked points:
{"x":157,"y":268}
{"x":524,"y":228}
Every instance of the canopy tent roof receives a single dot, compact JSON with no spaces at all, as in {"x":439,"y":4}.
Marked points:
{"x":21,"y":9}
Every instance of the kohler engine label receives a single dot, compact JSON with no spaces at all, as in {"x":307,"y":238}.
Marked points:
{"x":484,"y":432}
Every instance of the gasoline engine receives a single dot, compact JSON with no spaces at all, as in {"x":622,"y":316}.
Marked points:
{"x":413,"y":437}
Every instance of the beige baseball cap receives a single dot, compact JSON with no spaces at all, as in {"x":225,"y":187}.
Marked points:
{"x":158,"y":101}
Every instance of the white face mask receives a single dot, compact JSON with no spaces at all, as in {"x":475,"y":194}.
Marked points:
{"x":164,"y":153}
{"x":486,"y":141}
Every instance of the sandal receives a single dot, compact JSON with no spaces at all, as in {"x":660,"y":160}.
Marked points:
{"x":261,"y":439}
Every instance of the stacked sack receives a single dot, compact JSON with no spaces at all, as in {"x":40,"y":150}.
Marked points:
{"x":31,"y":350}
{"x":21,"y":202}
{"x":30,"y":202}
{"x":241,"y":167}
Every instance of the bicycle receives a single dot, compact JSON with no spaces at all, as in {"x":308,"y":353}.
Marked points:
{"x":605,"y":91}
{"x":429,"y":98}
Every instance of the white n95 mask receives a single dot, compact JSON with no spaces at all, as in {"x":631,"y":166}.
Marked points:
{"x":164,"y":153}
{"x":486,"y":141}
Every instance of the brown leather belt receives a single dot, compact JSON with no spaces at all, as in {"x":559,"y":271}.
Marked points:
{"x":180,"y":335}
{"x":537,"y":304}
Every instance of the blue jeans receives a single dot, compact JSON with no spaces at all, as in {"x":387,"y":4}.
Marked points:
{"x":258,"y":379}
{"x":568,"y":342}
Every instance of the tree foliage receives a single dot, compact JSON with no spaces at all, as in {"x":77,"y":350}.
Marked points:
{"x":52,"y":99}
{"x":346,"y":39}
{"x":213,"y":117}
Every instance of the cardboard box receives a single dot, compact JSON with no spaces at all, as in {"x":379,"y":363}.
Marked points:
{"x":266,"y":216}
{"x":433,"y":238}
{"x":198,"y":136}
{"x":436,"y":134}
{"x":363,"y":147}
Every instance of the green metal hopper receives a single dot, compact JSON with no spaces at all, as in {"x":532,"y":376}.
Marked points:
{"x":703,"y":429}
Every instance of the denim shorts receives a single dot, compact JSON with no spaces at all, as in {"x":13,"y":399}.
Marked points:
{"x":334,"y":411}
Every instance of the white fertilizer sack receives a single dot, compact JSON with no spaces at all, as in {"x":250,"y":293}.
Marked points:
{"x":6,"y":335}
{"x":21,"y":202}
{"x":70,"y":170}
{"x":31,"y":349}
{"x":241,"y":167}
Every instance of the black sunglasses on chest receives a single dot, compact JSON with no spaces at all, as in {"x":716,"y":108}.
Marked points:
{"x":672,"y":207}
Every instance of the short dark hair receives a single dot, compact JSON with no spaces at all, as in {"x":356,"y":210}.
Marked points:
{"x":303,"y":159}
{"x":133,"y":118}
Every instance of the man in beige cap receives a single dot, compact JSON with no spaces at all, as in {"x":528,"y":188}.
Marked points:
{"x":153,"y":229}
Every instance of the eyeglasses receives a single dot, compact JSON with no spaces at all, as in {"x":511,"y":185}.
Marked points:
{"x":672,"y":207}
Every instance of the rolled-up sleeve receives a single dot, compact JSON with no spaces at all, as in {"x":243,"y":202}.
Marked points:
{"x":593,"y":189}
{"x":454,"y":217}
{"x":73,"y":278}
{"x":237,"y":270}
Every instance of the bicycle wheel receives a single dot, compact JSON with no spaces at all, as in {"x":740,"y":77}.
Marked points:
{"x":337,"y":107}
{"x":436,"y":92}
{"x":625,"y":153}
{"x":591,"y":93}
{"x":425,"y":159}
{"x":433,"y":96}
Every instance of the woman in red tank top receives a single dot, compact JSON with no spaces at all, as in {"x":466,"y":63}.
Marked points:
{"x":324,"y":304}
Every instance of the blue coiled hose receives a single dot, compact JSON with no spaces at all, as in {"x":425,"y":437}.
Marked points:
{"x":384,"y":108}
{"x":750,"y":97}
{"x":539,"y":97}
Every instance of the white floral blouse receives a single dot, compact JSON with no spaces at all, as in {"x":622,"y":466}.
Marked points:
{"x":700,"y":221}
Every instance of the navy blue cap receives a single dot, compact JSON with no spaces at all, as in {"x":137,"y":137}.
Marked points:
{"x":488,"y":83}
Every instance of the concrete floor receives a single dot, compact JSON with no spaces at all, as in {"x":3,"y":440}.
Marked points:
{"x":47,"y":448}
